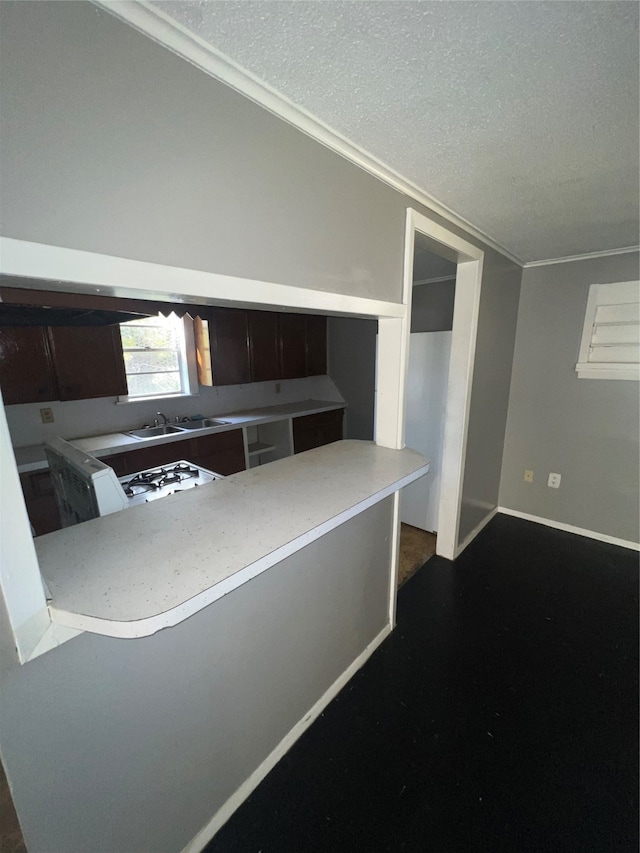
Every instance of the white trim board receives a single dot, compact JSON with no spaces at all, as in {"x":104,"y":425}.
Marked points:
{"x":238,"y":797}
{"x":588,"y":256}
{"x":569,"y":528}
{"x":164,"y":30}
{"x":110,"y":275}
{"x":470,"y":261}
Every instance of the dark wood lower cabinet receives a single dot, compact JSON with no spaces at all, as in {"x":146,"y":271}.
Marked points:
{"x":312,"y":431}
{"x":42,"y":508}
{"x":222,"y":452}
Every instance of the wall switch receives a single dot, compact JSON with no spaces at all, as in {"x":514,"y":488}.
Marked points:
{"x":528,"y":476}
{"x":46,"y":416}
{"x":554,"y":481}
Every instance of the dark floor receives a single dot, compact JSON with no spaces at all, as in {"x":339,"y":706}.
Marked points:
{"x":501,"y":715}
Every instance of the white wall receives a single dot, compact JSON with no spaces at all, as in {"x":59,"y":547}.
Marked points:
{"x":587,"y":430}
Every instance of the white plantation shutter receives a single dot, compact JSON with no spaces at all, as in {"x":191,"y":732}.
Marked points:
{"x":610,"y":347}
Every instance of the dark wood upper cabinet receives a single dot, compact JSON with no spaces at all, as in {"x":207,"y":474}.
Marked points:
{"x":88,"y":361}
{"x":229,"y":336}
{"x":293,"y":350}
{"x":263,"y":341}
{"x":316,"y":340}
{"x":26,"y":371}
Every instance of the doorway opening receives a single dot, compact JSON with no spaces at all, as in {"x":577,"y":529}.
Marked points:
{"x":442,"y":283}
{"x":433,"y":296}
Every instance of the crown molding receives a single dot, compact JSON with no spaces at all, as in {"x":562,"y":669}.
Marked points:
{"x":588,"y":256}
{"x":164,"y":30}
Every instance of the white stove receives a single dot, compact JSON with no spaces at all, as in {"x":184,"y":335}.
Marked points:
{"x":154,"y":483}
{"x":86,"y":487}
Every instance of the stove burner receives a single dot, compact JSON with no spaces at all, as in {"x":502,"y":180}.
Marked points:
{"x":157,"y":478}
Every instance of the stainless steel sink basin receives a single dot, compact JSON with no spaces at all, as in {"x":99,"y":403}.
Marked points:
{"x":202,"y":424}
{"x":154,"y":432}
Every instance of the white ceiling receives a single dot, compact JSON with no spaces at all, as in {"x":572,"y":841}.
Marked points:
{"x":520,"y":116}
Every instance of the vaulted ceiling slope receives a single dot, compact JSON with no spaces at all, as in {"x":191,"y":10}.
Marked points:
{"x":522,"y":117}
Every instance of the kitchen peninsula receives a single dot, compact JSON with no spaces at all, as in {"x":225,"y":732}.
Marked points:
{"x":133,"y":573}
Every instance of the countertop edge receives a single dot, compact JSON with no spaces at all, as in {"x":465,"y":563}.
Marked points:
{"x":134,"y":629}
{"x":138,"y":444}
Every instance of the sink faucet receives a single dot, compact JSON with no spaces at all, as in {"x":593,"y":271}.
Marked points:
{"x":164,"y":419}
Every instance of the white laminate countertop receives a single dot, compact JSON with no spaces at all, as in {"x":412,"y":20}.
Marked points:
{"x":137,"y":571}
{"x":32,"y":457}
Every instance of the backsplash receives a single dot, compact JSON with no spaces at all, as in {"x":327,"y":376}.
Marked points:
{"x":80,"y":418}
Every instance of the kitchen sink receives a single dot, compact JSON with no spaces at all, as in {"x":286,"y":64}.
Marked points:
{"x":154,"y":432}
{"x":202,"y":424}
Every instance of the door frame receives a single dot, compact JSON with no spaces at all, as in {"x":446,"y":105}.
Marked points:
{"x":469,"y":260}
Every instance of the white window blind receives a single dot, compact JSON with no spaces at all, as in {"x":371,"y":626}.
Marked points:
{"x":610,"y":346}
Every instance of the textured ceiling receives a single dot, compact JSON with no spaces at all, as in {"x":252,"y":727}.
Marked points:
{"x":522,"y":117}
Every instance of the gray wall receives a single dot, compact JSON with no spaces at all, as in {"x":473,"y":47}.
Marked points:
{"x":351,"y":350}
{"x":584,"y":429}
{"x":131,"y":746}
{"x":432,"y":306}
{"x":490,"y":396}
{"x":111,"y":143}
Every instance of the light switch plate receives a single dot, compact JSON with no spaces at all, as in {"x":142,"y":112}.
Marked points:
{"x":46,"y":416}
{"x":554,"y":481}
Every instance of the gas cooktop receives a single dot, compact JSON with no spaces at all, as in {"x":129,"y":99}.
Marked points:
{"x":164,"y":480}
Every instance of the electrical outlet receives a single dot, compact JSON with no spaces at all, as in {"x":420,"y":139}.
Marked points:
{"x":277,"y":387}
{"x":554,"y":481}
{"x":528,"y":476}
{"x":46,"y":416}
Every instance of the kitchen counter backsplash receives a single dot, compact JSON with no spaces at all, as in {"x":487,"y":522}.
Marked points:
{"x":95,"y":417}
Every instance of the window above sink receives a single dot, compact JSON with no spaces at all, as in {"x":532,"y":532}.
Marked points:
{"x":159,"y":358}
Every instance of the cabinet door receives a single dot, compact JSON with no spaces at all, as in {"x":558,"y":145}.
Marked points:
{"x":88,"y":361}
{"x":263,"y":340}
{"x":316,"y":339}
{"x":230,"y":347}
{"x":39,"y":498}
{"x":136,"y":460}
{"x":222,"y":452}
{"x":120,"y":462}
{"x":293,"y":356}
{"x":312,"y":431}
{"x":26,"y":372}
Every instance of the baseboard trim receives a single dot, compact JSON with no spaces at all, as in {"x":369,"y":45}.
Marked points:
{"x":223,"y":814}
{"x":569,"y":528}
{"x":471,"y":536}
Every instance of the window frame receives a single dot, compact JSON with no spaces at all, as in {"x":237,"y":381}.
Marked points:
{"x":620,"y":293}
{"x":187,"y":366}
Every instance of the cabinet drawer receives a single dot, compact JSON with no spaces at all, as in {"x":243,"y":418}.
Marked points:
{"x":320,"y":419}
{"x":316,"y":430}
